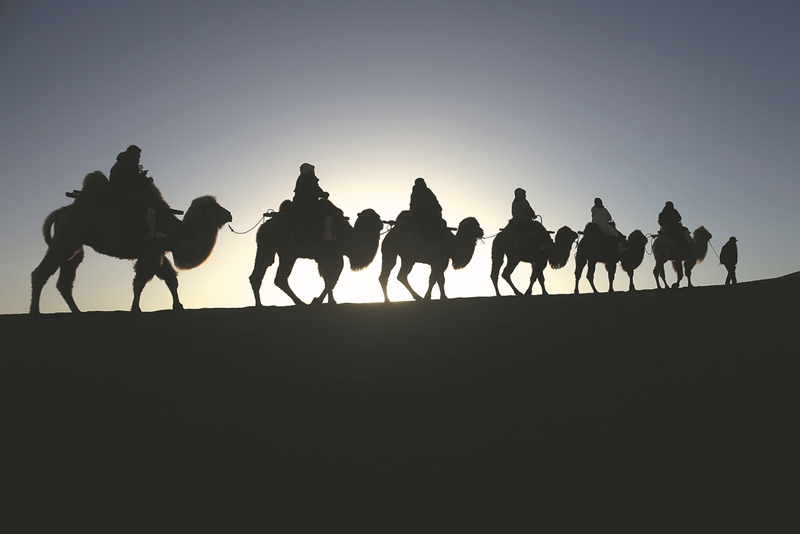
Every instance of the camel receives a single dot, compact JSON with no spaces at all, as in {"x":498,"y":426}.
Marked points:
{"x":415,"y":243}
{"x":664,"y":250}
{"x":596,"y":247}
{"x":285,"y":235}
{"x":512,"y":244}
{"x":96,"y":219}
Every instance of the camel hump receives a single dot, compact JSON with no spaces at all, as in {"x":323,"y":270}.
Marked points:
{"x":406,"y":217}
{"x":591,"y":229}
{"x":94,"y":182}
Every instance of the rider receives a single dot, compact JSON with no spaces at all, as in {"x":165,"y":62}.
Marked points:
{"x":602,"y":218}
{"x":128,"y":178}
{"x":522,"y":213}
{"x":307,"y":196}
{"x":426,"y":208}
{"x":521,"y":210}
{"x":670,"y":222}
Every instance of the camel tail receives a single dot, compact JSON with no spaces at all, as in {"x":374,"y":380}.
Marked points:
{"x":49,"y":222}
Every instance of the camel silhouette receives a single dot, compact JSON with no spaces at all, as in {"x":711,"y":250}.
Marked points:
{"x":514,"y":245}
{"x":95,"y":219}
{"x":665,"y":249}
{"x":596,"y":247}
{"x":285,"y":236}
{"x":414,"y":243}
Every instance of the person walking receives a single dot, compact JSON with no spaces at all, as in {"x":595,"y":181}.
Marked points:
{"x":729,"y":256}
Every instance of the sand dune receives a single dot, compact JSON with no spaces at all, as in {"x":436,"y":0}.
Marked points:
{"x":690,"y":388}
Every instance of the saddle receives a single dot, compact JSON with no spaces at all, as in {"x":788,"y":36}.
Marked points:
{"x":428,"y":230}
{"x":610,"y":243}
{"x":311,"y":221}
{"x":105,"y":200}
{"x":679,"y":236}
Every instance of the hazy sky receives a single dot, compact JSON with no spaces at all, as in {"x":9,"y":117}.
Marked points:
{"x":637,"y":102}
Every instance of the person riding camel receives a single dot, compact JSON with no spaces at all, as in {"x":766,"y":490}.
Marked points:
{"x":602,"y":218}
{"x":670,"y":222}
{"x":523,"y":215}
{"x":129,"y":179}
{"x":307,"y":197}
{"x":426,"y":208}
{"x":521,"y":210}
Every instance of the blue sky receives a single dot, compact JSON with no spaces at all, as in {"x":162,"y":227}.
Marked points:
{"x":636,"y":102}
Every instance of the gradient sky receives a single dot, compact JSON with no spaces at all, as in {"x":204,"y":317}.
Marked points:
{"x":637,"y":102}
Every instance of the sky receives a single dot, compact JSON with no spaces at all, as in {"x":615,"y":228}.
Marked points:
{"x":636,"y":102}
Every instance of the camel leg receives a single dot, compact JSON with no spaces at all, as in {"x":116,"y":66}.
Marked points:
{"x":330,"y":270}
{"x":611,"y":268}
{"x":689,"y":266}
{"x":532,"y":280}
{"x":442,"y":295}
{"x":580,"y":263}
{"x":659,"y":274}
{"x":66,"y":279}
{"x":540,"y":278}
{"x":678,"y":267}
{"x":402,"y":276}
{"x":388,"y":262}
{"x":630,"y":279}
{"x":590,"y":275}
{"x":285,"y":266}
{"x":436,"y":278}
{"x":497,"y":262}
{"x":535,"y":272}
{"x":265,"y":257}
{"x":510,"y":266}
{"x":55,"y":256}
{"x":145,"y":269}
{"x":169,"y":275}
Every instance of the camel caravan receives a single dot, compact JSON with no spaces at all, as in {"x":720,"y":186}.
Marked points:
{"x":126,"y":217}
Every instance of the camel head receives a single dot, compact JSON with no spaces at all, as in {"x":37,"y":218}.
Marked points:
{"x":701,"y":237}
{"x":206,"y":209}
{"x":197,"y":234}
{"x":637,"y":239}
{"x":470,"y":228}
{"x":368,"y":222}
{"x":361,"y":251}
{"x":565,"y":237}
{"x":469,"y":231}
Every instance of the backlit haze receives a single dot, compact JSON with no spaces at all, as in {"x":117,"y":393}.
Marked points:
{"x":636,"y":102}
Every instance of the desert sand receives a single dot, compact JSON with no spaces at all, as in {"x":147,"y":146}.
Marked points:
{"x":680,"y":392}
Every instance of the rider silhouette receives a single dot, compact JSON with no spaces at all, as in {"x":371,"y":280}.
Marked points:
{"x":670,"y":222}
{"x":311,"y":201}
{"x":522,"y":215}
{"x":129,"y":179}
{"x":602,"y":218}
{"x":426,"y":209}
